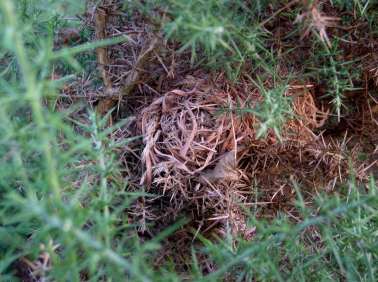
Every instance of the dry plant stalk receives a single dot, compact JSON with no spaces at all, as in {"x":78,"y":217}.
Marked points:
{"x":134,"y":76}
{"x":107,"y":103}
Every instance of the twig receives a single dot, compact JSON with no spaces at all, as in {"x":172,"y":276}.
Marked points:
{"x":132,"y":79}
{"x":288,"y":5}
{"x":103,"y":60}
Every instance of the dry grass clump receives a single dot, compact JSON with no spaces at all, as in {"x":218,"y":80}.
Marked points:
{"x":204,"y":161}
{"x":308,"y":117}
{"x":191,"y":152}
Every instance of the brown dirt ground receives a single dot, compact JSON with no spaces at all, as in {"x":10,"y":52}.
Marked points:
{"x":200,"y":157}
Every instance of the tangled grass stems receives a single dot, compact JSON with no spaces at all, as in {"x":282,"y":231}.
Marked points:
{"x":70,"y":200}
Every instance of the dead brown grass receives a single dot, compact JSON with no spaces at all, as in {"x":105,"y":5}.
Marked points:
{"x":191,"y":150}
{"x":200,"y":158}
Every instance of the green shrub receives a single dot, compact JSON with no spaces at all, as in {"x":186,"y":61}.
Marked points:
{"x":62,"y":191}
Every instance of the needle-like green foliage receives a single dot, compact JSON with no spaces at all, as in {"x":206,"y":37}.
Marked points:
{"x":62,"y":191}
